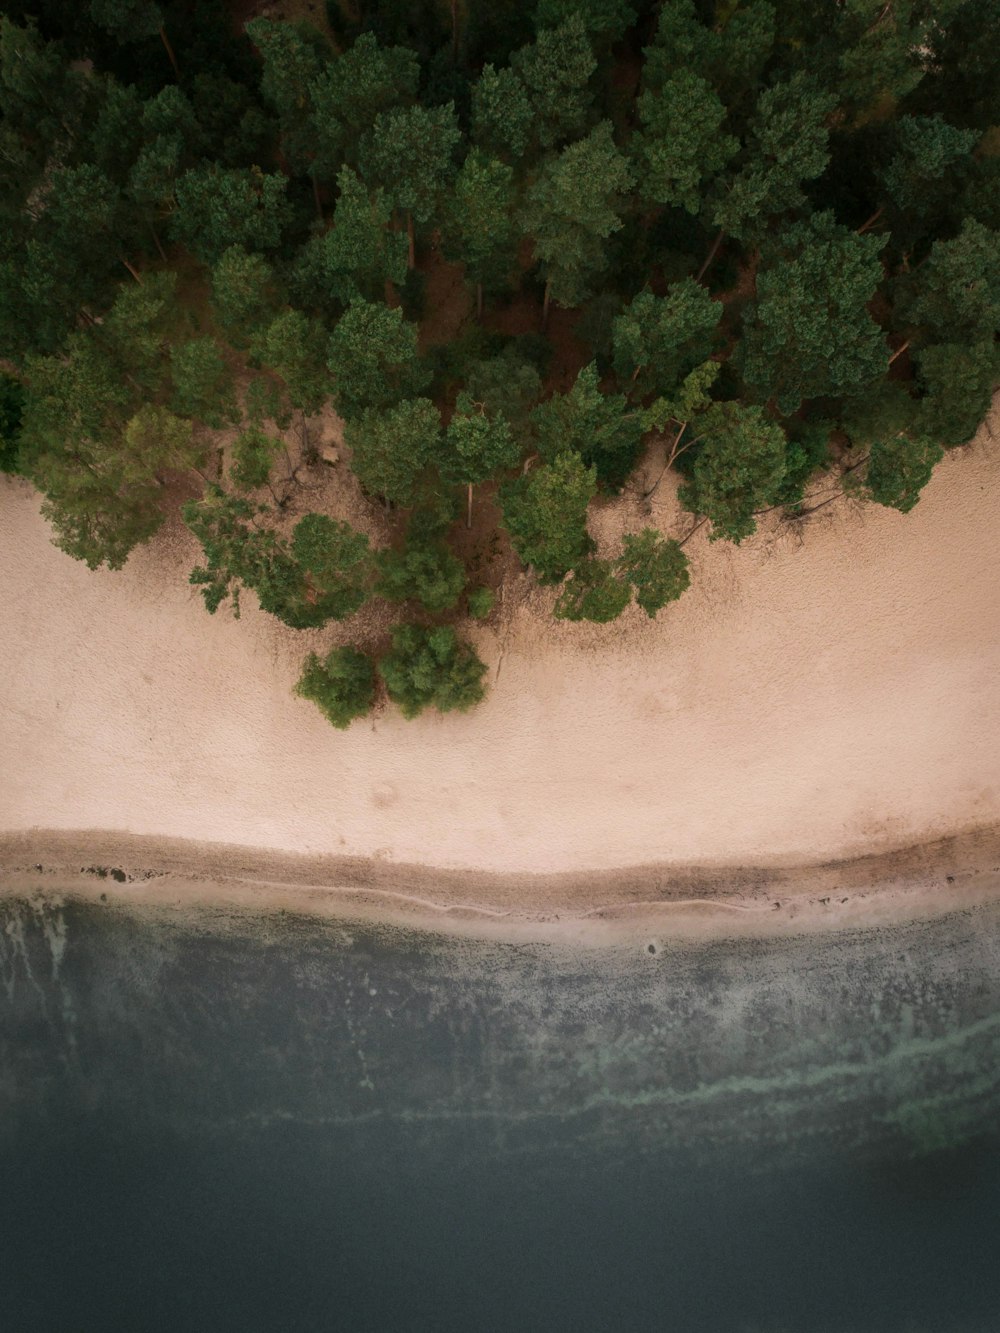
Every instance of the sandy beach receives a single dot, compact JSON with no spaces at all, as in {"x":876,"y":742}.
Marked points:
{"x":828,"y":692}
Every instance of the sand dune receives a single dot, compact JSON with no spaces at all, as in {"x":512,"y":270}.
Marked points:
{"x":824,"y":690}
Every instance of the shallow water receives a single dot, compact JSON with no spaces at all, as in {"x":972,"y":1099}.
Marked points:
{"x":216,"y":1121}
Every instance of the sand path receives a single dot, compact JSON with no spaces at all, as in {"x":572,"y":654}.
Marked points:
{"x":821,"y":691}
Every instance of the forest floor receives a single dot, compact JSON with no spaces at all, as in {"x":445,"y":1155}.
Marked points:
{"x":828,"y":689}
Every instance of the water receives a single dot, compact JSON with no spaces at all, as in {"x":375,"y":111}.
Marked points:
{"x":215,"y":1121}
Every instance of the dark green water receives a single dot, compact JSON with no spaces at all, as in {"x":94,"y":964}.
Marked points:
{"x":222,"y":1122}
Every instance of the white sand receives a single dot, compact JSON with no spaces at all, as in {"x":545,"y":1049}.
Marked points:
{"x":821,"y":691}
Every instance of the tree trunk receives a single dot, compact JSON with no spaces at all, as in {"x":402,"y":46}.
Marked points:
{"x":710,"y":256}
{"x":159,"y":243}
{"x":900,"y":350}
{"x":870,"y":222}
{"x":134,"y":271}
{"x":468,"y":516}
{"x":411,"y":257}
{"x":545,"y":303}
{"x":170,"y":52}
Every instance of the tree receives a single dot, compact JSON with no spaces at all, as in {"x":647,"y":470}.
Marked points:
{"x":11,"y":413}
{"x":657,"y":340}
{"x":391,"y":448}
{"x":958,"y":380}
{"x":295,"y":346}
{"x":556,"y":72}
{"x":738,"y":469}
{"x":217,"y":208}
{"x":252,"y":459}
{"x":479,"y":227}
{"x":478,"y":446}
{"x":600,"y":427}
{"x":341,"y":685}
{"x":925,"y":173}
{"x":656,"y":568}
{"x":573,"y":206}
{"x":680,"y":145}
{"x":899,"y":468}
{"x":410,"y":152}
{"x":811,"y":334}
{"x":293,"y":56}
{"x":502,"y":115}
{"x":431,"y":668}
{"x":955,"y":295}
{"x":786,"y":146}
{"x":131,"y":21}
{"x":545,"y":513}
{"x":360,"y":254}
{"x":202,"y":383}
{"x":354,"y":88}
{"x":505,"y":385}
{"x":244,"y":294}
{"x":336,"y":562}
{"x":595,"y":591}
{"x":372,"y":354}
{"x":425,"y":570}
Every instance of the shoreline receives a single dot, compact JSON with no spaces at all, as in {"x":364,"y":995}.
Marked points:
{"x":654,"y":903}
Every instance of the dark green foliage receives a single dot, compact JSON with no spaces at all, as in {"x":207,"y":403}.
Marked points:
{"x":390,"y":449}
{"x":336,"y":563}
{"x":11,"y":412}
{"x":367,"y":81}
{"x":478,"y":445}
{"x":479,"y":223}
{"x":545,"y":513}
{"x":600,"y":427}
{"x":811,"y":334}
{"x":202,"y":383}
{"x":595,"y":591}
{"x":656,"y":568}
{"x":958,"y":380}
{"x":738,"y":469}
{"x":410,"y":153}
{"x":360,"y":253}
{"x":502,"y":114}
{"x":341,"y":685}
{"x":372,"y":355}
{"x":573,"y":206}
{"x":425,"y":571}
{"x":681,"y":146}
{"x":480,"y":602}
{"x":899,"y":468}
{"x":253,"y":455}
{"x":658,"y":339}
{"x":217,"y":208}
{"x":556,"y":71}
{"x":505,"y":385}
{"x":296,"y":346}
{"x":244,"y":294}
{"x":431,"y":668}
{"x":955,"y":296}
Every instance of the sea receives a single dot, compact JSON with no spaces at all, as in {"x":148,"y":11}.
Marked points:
{"x":214,"y":1119}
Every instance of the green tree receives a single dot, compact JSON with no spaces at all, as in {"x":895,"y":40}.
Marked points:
{"x":502,"y":114}
{"x":217,"y":208}
{"x":479,"y":224}
{"x":252,"y":458}
{"x":202,"y":383}
{"x":478,"y":446}
{"x":955,"y":295}
{"x":925,"y":173}
{"x":505,"y":385}
{"x":366,"y":81}
{"x":786,"y":146}
{"x":738,"y":469}
{"x":410,"y":153}
{"x":600,"y":427}
{"x":656,"y":567}
{"x":341,"y":685}
{"x":391,"y":448}
{"x":372,"y":354}
{"x":11,"y":414}
{"x":957,"y":380}
{"x":360,"y":253}
{"x":293,"y":56}
{"x":426,"y":570}
{"x":595,"y":591}
{"x":899,"y":468}
{"x":811,"y":334}
{"x":573,"y":206}
{"x":556,"y":72}
{"x":545,"y":513}
{"x":337,"y":564}
{"x":681,"y":145}
{"x":657,"y":340}
{"x":431,"y":668}
{"x":295,"y":346}
{"x":244,"y":294}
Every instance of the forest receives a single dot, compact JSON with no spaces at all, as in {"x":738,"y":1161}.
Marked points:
{"x":514,"y":247}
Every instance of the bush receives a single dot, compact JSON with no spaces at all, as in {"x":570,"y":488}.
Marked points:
{"x":11,"y":409}
{"x":341,"y":686}
{"x":431,"y":667}
{"x":480,"y":601}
